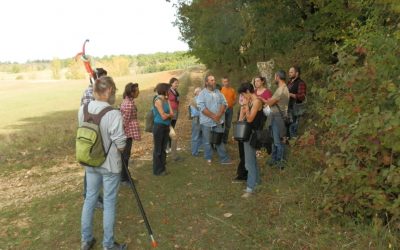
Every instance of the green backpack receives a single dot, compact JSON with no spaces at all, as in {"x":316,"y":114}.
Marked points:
{"x":89,"y":143}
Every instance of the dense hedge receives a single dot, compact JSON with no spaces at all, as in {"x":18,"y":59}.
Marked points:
{"x":350,"y":54}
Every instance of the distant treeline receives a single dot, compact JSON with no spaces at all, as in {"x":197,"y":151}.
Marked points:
{"x":117,"y":65}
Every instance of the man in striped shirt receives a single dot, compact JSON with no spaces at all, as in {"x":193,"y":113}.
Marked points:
{"x":88,"y":93}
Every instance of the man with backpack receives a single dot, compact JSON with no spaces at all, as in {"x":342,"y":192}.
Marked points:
{"x":100,"y":124}
{"x":86,"y":98}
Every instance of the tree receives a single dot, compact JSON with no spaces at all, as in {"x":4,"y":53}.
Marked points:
{"x":75,"y":70}
{"x":349,"y":51}
{"x":55,"y":67}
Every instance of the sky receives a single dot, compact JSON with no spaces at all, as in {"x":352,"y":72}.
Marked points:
{"x":47,"y":29}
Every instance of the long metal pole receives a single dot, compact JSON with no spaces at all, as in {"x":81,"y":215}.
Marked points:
{"x":134,"y":190}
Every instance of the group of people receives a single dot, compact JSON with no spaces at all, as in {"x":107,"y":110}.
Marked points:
{"x":211,"y":111}
{"x":118,"y":128}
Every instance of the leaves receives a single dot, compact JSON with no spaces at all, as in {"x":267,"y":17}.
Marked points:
{"x":350,"y":53}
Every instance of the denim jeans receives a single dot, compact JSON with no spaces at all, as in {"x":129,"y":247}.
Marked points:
{"x":100,"y":199}
{"x":228,"y":122}
{"x":223,"y":156}
{"x":253,"y":176}
{"x":95,"y":178}
{"x":196,"y":136}
{"x":160,"y":138}
{"x":277,"y":147}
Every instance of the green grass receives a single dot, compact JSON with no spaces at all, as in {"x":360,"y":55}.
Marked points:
{"x":24,"y":99}
{"x":185,"y":209}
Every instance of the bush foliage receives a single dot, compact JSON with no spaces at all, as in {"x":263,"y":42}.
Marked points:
{"x":350,"y":55}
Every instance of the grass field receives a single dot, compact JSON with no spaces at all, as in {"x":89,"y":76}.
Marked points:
{"x":195,"y":207}
{"x":26,"y":99}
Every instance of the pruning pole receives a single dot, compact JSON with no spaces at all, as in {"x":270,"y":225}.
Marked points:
{"x":135,"y":192}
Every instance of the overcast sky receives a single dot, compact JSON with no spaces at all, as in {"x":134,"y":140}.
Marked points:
{"x":44,"y":29}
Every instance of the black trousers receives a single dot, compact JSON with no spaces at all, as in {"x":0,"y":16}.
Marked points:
{"x":241,"y":169}
{"x":160,"y":139}
{"x":126,"y":155}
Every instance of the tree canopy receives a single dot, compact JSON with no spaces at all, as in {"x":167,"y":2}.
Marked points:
{"x":350,"y":55}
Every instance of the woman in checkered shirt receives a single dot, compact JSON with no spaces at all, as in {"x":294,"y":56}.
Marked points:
{"x":131,"y":124}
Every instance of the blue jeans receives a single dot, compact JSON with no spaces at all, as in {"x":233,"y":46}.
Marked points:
{"x":196,"y":136}
{"x":253,"y":175}
{"x":228,"y":122}
{"x":95,"y":177}
{"x":277,"y":147}
{"x":223,"y":156}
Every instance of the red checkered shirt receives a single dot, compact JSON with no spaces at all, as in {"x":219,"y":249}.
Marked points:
{"x":129,"y":115}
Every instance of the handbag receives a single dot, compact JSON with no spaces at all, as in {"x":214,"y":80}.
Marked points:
{"x":299,"y":108}
{"x":263,"y":136}
{"x":253,"y":141}
{"x":267,"y":110}
{"x":172,"y":133}
{"x":261,"y":139}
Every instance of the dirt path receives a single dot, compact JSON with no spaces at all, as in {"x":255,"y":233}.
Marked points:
{"x":20,"y":188}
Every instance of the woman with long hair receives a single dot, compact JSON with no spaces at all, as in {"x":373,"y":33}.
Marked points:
{"x":173,"y":98}
{"x":251,"y":111}
{"x":162,"y":120}
{"x":129,"y":113}
{"x":261,"y":90}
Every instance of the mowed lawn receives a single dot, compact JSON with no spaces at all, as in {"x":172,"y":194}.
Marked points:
{"x":22,"y":99}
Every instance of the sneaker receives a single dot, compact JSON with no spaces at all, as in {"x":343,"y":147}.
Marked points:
{"x":88,"y":245}
{"x":177,"y":158}
{"x":227,"y":163}
{"x":164,"y":173}
{"x":168,"y":150}
{"x":209,"y":162}
{"x":116,"y":246}
{"x":247,"y":194}
{"x":239,"y":180}
{"x":125,"y":183}
{"x":178,"y":149}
